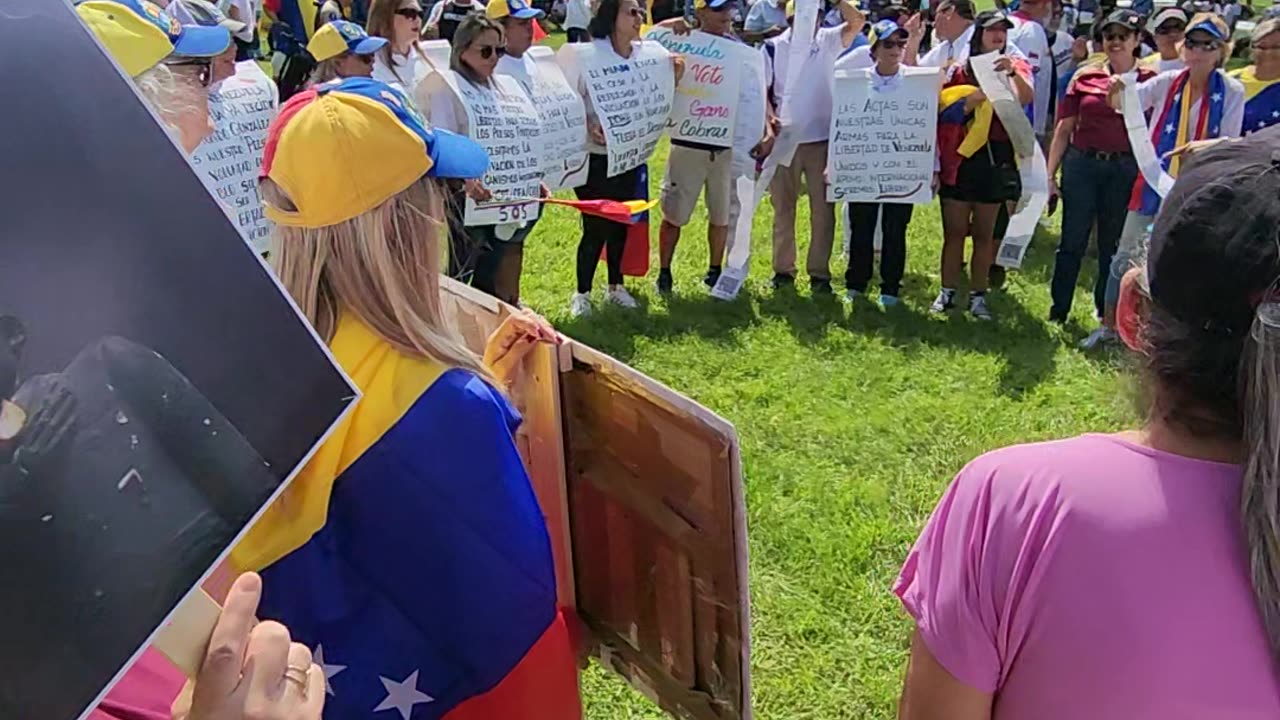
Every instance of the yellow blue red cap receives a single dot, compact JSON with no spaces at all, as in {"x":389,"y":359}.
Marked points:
{"x":341,"y":149}
{"x":342,"y":36}
{"x":139,"y":34}
{"x":518,"y":9}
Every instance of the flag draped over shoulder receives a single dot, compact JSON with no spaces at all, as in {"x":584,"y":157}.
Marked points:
{"x":1174,"y":127}
{"x":1261,"y":100}
{"x":411,"y":555}
{"x":960,"y":135}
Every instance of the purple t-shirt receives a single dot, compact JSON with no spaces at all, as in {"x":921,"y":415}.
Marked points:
{"x":1094,"y":578}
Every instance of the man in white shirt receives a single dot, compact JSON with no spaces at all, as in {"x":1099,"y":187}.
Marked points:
{"x":809,"y":114}
{"x":766,"y":19}
{"x":1029,"y":36}
{"x":577,"y":15}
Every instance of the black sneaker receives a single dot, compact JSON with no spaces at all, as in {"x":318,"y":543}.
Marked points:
{"x":996,"y":277}
{"x":783,"y":280}
{"x":820,"y":286}
{"x":664,"y":281}
{"x":712,"y":276}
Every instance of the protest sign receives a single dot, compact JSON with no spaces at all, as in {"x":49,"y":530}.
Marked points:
{"x":883,"y":133}
{"x":161,"y":386}
{"x":632,"y":98}
{"x":564,"y":122}
{"x":228,"y":160}
{"x":1135,"y":126}
{"x":1031,"y":164}
{"x":501,"y":119}
{"x":706,"y":99}
{"x":747,"y":192}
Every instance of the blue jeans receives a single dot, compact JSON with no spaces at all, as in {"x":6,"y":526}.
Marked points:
{"x":1095,"y":189}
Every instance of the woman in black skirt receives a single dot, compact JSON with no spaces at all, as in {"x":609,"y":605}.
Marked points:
{"x":972,"y":187}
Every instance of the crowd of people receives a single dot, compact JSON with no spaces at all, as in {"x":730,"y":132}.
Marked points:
{"x":1119,"y":576}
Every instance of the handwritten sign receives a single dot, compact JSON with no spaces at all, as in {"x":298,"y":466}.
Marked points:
{"x":707,"y":97}
{"x":883,"y":132}
{"x":229,"y":159}
{"x":632,"y":98}
{"x":502,"y":120}
{"x":564,"y":122}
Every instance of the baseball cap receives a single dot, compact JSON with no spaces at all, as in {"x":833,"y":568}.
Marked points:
{"x":993,"y":18}
{"x":1213,"y":250}
{"x":711,"y":4}
{"x":341,"y":36}
{"x":344,"y":147}
{"x":518,"y":9}
{"x":1127,"y":19}
{"x":1165,"y":15}
{"x":138,"y":34}
{"x":205,"y":13}
{"x":884,"y":29}
{"x":1212,"y":25}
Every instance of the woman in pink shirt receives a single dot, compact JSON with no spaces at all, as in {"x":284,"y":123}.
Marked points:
{"x":1135,"y":575}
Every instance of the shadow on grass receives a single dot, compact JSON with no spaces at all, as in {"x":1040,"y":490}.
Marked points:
{"x":615,"y":330}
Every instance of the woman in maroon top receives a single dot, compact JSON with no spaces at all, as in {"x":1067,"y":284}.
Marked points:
{"x":1091,"y":146}
{"x":973,"y":187}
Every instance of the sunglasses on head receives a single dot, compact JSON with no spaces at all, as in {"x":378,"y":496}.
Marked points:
{"x":1170,"y":29}
{"x":204,"y":67}
{"x":409,"y":13}
{"x":1211,"y":45}
{"x":488,"y":51}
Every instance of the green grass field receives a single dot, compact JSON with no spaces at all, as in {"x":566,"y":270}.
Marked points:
{"x":851,"y":420}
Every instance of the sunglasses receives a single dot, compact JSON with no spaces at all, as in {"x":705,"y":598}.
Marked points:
{"x":488,"y":51}
{"x":637,"y":13}
{"x":1171,"y":29}
{"x":366,"y":59}
{"x":893,"y":44}
{"x":204,"y":67}
{"x":410,"y":13}
{"x":1205,"y":45}
{"x":1116,"y":37}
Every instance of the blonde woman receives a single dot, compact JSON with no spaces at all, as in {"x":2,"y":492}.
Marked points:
{"x":414,"y":529}
{"x":401,"y":64}
{"x":343,"y":49}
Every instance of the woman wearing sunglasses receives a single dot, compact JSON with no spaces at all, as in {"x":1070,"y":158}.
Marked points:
{"x":1168,"y":27}
{"x":488,"y":257}
{"x":1199,"y":102}
{"x":1261,"y":80}
{"x":1091,"y":146}
{"x":343,"y":49}
{"x":401,"y":63}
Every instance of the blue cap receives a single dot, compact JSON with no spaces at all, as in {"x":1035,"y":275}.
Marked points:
{"x":884,"y":29}
{"x":1210,"y":27}
{"x":711,"y":4}
{"x":188,"y":40}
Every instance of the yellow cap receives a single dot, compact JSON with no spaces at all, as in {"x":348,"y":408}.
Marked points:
{"x":519,"y":9}
{"x":138,"y":34}
{"x":342,"y":36}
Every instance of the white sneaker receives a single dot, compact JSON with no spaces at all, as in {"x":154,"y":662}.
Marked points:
{"x":618,"y":295}
{"x":1102,"y":335}
{"x":978,"y":307}
{"x":580,"y":305}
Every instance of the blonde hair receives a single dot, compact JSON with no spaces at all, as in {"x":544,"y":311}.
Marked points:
{"x":326,"y":70}
{"x":383,"y":266}
{"x":465,"y":36}
{"x":179,"y":101}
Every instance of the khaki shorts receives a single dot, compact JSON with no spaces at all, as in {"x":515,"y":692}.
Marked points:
{"x":688,"y":171}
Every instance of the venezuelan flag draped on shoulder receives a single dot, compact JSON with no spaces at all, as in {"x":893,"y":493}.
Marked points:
{"x":411,"y":555}
{"x":1261,"y":100}
{"x":961,"y":133}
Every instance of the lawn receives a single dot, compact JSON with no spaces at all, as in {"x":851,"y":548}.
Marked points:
{"x":852,"y":420}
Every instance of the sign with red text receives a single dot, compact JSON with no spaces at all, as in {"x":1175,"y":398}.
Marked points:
{"x":707,"y":97}
{"x":883,"y":133}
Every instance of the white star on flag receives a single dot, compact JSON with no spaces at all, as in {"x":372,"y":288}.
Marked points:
{"x":403,"y":696}
{"x":1215,"y":97}
{"x":329,"y":670}
{"x":1262,"y":123}
{"x":1213,"y":130}
{"x":1168,"y":129}
{"x":1275,"y":113}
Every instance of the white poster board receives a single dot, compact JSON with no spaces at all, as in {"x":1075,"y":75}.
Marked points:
{"x":632,"y":98}
{"x":564,"y":122}
{"x":502,"y":120}
{"x":706,"y":99}
{"x":229,"y":159}
{"x":1135,"y":125}
{"x":883,"y":136}
{"x":1031,"y":164}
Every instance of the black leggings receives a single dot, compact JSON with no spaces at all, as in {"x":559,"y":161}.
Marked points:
{"x":597,"y":232}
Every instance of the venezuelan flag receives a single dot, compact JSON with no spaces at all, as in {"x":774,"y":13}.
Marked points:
{"x":960,"y":135}
{"x":635,"y":256}
{"x":411,"y":555}
{"x":1261,"y":100}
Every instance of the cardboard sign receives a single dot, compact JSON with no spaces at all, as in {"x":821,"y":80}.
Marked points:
{"x":706,"y":99}
{"x":632,"y":98}
{"x":747,"y":192}
{"x":564,"y":122}
{"x":643,"y":495}
{"x":166,"y":386}
{"x":883,"y":133}
{"x":229,"y":159}
{"x":501,"y":119}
